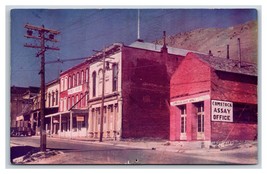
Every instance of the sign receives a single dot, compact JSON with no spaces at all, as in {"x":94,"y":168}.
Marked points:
{"x":221,"y":111}
{"x":75,"y":90}
{"x":19,"y":118}
{"x":190,"y":100}
{"x":55,"y":120}
{"x":80,"y":118}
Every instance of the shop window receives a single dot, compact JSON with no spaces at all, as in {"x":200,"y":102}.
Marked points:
{"x":245,"y":113}
{"x":183,"y":118}
{"x":200,"y":116}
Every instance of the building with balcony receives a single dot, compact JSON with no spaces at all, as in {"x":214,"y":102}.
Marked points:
{"x":72,"y":116}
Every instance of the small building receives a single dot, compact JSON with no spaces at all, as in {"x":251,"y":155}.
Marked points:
{"x":16,"y":103}
{"x":213,"y":99}
{"x":51,"y":105}
{"x":21,"y":105}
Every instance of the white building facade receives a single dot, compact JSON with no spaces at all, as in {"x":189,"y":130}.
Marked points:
{"x":112,"y":113}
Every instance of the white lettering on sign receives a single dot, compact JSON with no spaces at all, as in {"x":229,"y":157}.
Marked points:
{"x":190,"y":100}
{"x":75,"y":90}
{"x":221,"y":111}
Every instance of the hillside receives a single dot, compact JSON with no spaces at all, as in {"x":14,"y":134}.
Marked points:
{"x":216,"y":40}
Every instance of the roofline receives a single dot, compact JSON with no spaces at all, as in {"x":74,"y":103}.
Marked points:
{"x":73,"y":67}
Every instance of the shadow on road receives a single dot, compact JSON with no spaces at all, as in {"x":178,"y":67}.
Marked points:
{"x":18,"y":151}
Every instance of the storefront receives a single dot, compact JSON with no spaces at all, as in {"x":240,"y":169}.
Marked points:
{"x":68,"y":124}
{"x":213,"y":103}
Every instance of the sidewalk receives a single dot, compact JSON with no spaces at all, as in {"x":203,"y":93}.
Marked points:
{"x":172,"y":146}
{"x":233,"y":154}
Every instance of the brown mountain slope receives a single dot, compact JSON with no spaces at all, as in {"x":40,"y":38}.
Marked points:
{"x":216,"y":40}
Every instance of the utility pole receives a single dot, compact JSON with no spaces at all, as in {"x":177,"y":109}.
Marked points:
{"x":104,"y":67}
{"x":103,"y":97}
{"x":42,"y":37}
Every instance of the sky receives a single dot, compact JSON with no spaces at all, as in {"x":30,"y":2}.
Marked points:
{"x":84,"y":30}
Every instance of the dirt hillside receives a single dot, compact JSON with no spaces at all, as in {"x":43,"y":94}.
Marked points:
{"x":216,"y":40}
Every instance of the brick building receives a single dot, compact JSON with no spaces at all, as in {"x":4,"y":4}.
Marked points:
{"x":72,"y":118}
{"x":137,"y":82}
{"x":213,"y":99}
{"x":21,"y":102}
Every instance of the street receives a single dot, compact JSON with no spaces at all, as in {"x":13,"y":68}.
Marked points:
{"x":85,"y":152}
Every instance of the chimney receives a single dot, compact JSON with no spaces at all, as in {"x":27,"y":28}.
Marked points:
{"x":164,"y":47}
{"x":239,"y":53}
{"x":227,"y":56}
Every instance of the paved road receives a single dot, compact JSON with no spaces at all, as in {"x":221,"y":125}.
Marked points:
{"x":81,"y":152}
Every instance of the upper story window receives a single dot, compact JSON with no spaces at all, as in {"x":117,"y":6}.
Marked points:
{"x":49,"y":99}
{"x":72,"y":102}
{"x":81,"y":100}
{"x":78,"y":79}
{"x":62,"y":84}
{"x":87,"y":75}
{"x":56,"y":97}
{"x":69,"y":104}
{"x":66,"y":83}
{"x":53,"y":98}
{"x":115,"y":77}
{"x":77,"y":99}
{"x":94,"y":84}
{"x":82,"y":78}
{"x":73,"y":80}
{"x":100,"y":81}
{"x":69,"y":82}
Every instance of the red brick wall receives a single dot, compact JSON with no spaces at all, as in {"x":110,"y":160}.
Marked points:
{"x":234,"y":87}
{"x":145,"y":92}
{"x":175,"y":122}
{"x":192,"y":77}
{"x":236,"y":131}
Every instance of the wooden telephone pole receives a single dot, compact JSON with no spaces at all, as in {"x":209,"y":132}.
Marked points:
{"x":44,"y":35}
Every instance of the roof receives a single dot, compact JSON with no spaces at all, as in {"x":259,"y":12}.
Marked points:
{"x":229,"y":65}
{"x":52,"y":82}
{"x":74,"y":68}
{"x":156,"y":47}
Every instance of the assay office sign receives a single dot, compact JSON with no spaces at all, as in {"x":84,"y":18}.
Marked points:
{"x":221,"y":111}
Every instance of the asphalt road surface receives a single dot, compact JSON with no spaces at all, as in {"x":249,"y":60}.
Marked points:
{"x":83,"y":152}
